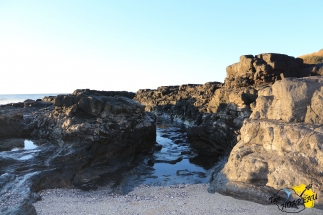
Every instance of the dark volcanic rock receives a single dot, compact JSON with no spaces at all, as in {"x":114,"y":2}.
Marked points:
{"x":11,"y":121}
{"x":8,"y":144}
{"x":85,"y":139}
{"x":186,"y":103}
{"x":91,"y":105}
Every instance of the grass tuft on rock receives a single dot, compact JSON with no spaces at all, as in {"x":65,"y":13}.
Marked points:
{"x":314,"y":58}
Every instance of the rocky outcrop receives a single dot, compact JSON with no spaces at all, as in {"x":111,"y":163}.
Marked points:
{"x":86,"y":116}
{"x":185,"y":103}
{"x":13,"y":117}
{"x":11,"y":121}
{"x":270,"y":106}
{"x":233,"y":102}
{"x":263,"y":69}
{"x":85,"y":137}
{"x":219,"y":130}
{"x":215,"y":112}
{"x":281,"y":143}
{"x":212,"y":113}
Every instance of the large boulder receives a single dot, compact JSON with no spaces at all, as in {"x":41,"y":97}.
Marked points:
{"x":263,"y":69}
{"x":63,"y":100}
{"x":273,"y":154}
{"x":94,"y":117}
{"x":91,"y":105}
{"x":280,"y":145}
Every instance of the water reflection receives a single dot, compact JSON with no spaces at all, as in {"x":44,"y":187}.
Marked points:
{"x":176,"y":162}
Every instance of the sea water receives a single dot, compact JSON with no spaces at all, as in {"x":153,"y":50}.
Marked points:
{"x":13,"y":98}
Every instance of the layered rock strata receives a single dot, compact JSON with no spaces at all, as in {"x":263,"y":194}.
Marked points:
{"x":85,"y":139}
{"x":280,"y":145}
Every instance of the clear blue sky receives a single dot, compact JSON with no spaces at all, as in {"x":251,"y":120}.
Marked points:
{"x":58,"y":46}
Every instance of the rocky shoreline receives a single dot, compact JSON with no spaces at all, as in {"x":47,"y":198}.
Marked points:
{"x":266,"y":118}
{"x":83,"y":137}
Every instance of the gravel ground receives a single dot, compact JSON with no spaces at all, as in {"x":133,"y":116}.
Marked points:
{"x":179,"y":199}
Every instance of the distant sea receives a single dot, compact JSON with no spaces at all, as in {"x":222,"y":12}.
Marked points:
{"x":13,"y":98}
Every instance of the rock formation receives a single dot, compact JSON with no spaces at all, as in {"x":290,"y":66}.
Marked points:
{"x":266,"y":117}
{"x":281,"y":143}
{"x":85,"y":138}
{"x":185,"y":103}
{"x":193,"y":105}
{"x":267,"y":104}
{"x":214,"y":111}
{"x":262,"y":69}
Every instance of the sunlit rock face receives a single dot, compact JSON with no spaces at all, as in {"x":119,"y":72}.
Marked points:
{"x":281,"y":143}
{"x":264,"y":69}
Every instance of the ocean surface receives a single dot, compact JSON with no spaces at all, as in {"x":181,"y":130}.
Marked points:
{"x":13,"y":98}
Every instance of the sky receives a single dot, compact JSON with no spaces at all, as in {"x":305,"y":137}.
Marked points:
{"x":59,"y":46}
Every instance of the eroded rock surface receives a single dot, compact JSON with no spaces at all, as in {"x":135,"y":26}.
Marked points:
{"x":84,"y":139}
{"x":215,"y":112}
{"x":281,"y":143}
{"x":288,"y":100}
{"x":264,"y":69}
{"x":270,"y":106}
{"x":185,"y":103}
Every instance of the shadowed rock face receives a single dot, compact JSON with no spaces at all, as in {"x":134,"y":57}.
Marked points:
{"x":313,"y":69}
{"x":11,"y":121}
{"x":86,"y":137}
